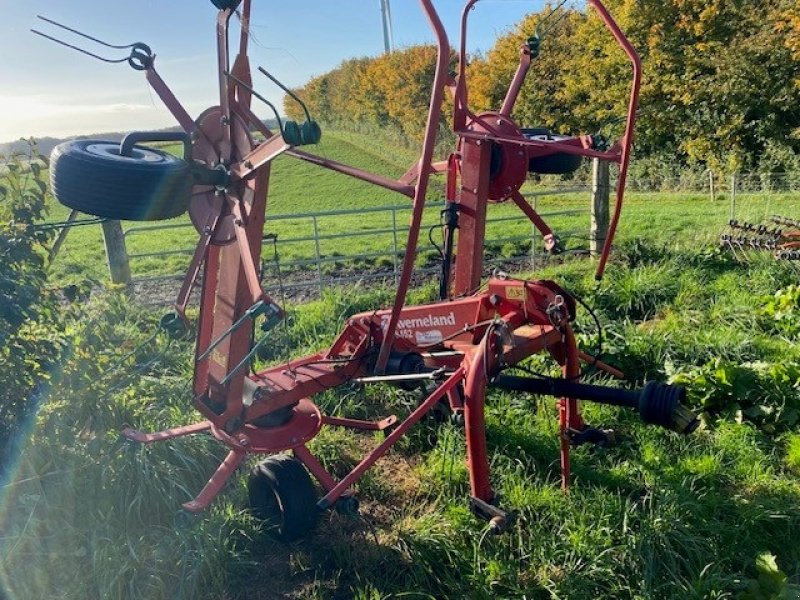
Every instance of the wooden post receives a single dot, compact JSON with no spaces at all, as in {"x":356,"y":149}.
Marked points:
{"x":600,"y":210}
{"x":62,"y":235}
{"x":712,"y":188}
{"x":118,"y":266}
{"x":733,"y":196}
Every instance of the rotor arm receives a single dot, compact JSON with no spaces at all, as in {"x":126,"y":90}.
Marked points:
{"x":434,"y":111}
{"x":627,"y":137}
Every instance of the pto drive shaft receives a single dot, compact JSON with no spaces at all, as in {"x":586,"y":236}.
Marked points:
{"x":657,"y":403}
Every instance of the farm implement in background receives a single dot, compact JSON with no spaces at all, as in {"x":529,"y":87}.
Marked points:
{"x":781,"y":237}
{"x":457,"y":347}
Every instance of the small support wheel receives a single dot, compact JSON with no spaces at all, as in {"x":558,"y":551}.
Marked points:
{"x":283,"y":496}
{"x":441,"y":412}
{"x":348,"y":506}
{"x":184,"y":519}
{"x":603,"y":438}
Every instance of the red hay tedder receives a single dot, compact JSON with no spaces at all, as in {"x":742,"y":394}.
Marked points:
{"x":460,"y":344}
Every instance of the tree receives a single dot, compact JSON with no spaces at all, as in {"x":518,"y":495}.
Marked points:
{"x":719,"y":88}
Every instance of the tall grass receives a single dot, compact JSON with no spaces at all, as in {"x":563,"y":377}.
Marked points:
{"x":654,"y":517}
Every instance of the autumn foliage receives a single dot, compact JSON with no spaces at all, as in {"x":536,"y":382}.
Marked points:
{"x":721,"y":81}
{"x":391,"y":91}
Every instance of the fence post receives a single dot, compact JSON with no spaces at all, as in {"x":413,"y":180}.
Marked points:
{"x":599,"y":208}
{"x":395,"y":266}
{"x":117,"y":255}
{"x":733,"y":196}
{"x":62,"y":235}
{"x":317,"y":252}
{"x":712,"y":188}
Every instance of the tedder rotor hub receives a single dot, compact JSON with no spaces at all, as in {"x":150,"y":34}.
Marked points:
{"x":209,"y":149}
{"x":509,"y":162}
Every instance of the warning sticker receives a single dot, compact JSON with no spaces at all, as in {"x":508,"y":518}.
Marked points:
{"x":428,"y":337}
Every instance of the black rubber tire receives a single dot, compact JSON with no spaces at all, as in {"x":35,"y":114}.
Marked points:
{"x":534,"y":131}
{"x":283,"y":496}
{"x":92,"y":177}
{"x":559,"y":163}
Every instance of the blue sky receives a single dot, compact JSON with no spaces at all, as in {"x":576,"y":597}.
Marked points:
{"x":51,"y":90}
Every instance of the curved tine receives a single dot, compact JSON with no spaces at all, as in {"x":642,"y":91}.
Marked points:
{"x":288,"y":91}
{"x":76,"y":32}
{"x":548,"y":16}
{"x":552,"y":24}
{"x":257,"y":95}
{"x":81,"y":50}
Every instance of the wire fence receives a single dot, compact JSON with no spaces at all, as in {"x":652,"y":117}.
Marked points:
{"x":715,"y":184}
{"x":312,"y":251}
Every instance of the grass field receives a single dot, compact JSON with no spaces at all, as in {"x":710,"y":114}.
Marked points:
{"x":300,"y":188}
{"x":654,"y":517}
{"x":296,"y":188}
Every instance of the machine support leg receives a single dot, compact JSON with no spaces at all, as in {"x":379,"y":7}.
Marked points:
{"x":216,"y":483}
{"x":599,"y":364}
{"x":304,"y":455}
{"x":475,"y":428}
{"x":390,"y":440}
{"x":167,"y":434}
{"x":568,"y":416}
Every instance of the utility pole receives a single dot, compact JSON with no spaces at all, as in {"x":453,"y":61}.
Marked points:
{"x":386,"y":15}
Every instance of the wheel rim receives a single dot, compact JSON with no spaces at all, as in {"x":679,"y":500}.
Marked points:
{"x":137,"y":154}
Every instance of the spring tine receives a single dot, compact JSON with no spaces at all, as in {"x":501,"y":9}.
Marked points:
{"x":257,"y":95}
{"x":551,"y":25}
{"x":288,"y":91}
{"x":88,"y":37}
{"x":140,"y":56}
{"x":547,"y":18}
{"x":81,"y":50}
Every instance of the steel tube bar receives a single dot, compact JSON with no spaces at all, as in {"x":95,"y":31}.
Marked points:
{"x":627,"y":138}
{"x":568,"y":416}
{"x":223,"y":64}
{"x":551,"y":147}
{"x":216,"y":483}
{"x":421,"y":188}
{"x":170,"y":101}
{"x":531,"y":213}
{"x":475,"y":426}
{"x":391,"y":439}
{"x":516,"y":83}
{"x":168,"y":434}
{"x":304,"y":455}
{"x":379,"y":180}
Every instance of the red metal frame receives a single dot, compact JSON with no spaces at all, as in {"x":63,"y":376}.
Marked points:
{"x":465,"y":339}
